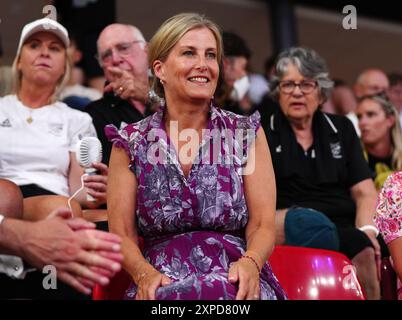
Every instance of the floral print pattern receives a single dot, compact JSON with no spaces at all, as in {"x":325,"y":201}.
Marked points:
{"x":193,"y":227}
{"x":389,"y":208}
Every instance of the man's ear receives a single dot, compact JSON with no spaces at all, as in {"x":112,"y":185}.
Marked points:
{"x":146,"y":47}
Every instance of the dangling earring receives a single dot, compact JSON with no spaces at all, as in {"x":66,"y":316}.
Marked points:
{"x":162,"y":82}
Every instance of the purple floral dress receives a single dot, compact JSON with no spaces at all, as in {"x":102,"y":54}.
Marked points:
{"x":193,"y":227}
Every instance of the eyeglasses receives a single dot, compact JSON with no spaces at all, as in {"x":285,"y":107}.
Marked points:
{"x":306,"y":86}
{"x":122,"y":49}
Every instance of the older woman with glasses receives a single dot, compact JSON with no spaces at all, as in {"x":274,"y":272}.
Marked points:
{"x":325,"y":197}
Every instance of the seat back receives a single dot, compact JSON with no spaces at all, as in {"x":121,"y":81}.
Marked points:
{"x":388,"y":282}
{"x":118,"y":285}
{"x":114,"y":290}
{"x":315,"y":274}
{"x":304,"y":273}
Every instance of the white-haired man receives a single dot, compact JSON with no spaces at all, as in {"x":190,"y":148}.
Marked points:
{"x":123,"y":55}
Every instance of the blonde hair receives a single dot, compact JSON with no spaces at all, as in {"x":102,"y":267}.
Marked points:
{"x":6,"y":80}
{"x":170,"y":32}
{"x":396,"y":131}
{"x":17,"y":76}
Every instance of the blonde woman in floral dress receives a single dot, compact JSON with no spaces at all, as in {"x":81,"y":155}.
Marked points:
{"x":389,"y":219}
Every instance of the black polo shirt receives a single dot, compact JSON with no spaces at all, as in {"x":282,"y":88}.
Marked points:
{"x":321,"y":177}
{"x":386,"y":163}
{"x":110,"y":109}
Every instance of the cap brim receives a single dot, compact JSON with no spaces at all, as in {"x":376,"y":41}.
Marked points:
{"x":43,"y":25}
{"x":55,"y":31}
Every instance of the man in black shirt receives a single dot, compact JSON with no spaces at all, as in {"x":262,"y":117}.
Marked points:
{"x":122,"y":53}
{"x":111,"y":109}
{"x":123,"y":56}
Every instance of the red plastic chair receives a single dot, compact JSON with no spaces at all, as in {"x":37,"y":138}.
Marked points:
{"x":117,"y":287}
{"x":114,"y":290}
{"x":304,"y":273}
{"x":389,"y":280}
{"x":315,"y":274}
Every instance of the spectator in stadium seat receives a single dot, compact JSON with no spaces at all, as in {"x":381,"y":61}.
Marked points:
{"x":370,"y":82}
{"x":381,"y":136}
{"x":235,"y":84}
{"x":75,"y":94}
{"x":81,"y":255}
{"x":389,"y":218}
{"x":123,"y":56}
{"x":344,"y":103}
{"x":208,"y":227}
{"x":394,"y":92}
{"x":325,"y":195}
{"x":38,"y":133}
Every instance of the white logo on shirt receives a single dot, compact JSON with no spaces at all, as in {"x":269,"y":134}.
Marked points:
{"x":6,"y":123}
{"x":336,"y":150}
{"x":55,"y":129}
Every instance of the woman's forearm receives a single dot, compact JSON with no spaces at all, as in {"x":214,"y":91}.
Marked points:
{"x":260,"y":241}
{"x":10,"y":236}
{"x":134,"y":262}
{"x":365,"y":197}
{"x":365,"y":210}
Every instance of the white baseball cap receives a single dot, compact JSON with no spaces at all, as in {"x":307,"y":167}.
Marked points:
{"x":46,"y":25}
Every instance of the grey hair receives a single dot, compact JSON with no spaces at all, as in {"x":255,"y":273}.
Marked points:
{"x":309,"y":63}
{"x":138,"y":36}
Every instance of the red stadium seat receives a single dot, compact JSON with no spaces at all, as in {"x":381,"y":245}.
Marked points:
{"x":389,"y":280}
{"x":304,"y":273}
{"x":115,"y":290}
{"x":315,"y":274}
{"x":118,"y":284}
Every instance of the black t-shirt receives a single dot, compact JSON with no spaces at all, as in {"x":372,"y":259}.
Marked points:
{"x":266,"y":107}
{"x":111,"y":110}
{"x":373,"y":161}
{"x":321,"y":177}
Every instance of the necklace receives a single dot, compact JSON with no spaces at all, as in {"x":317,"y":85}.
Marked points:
{"x":30,"y":119}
